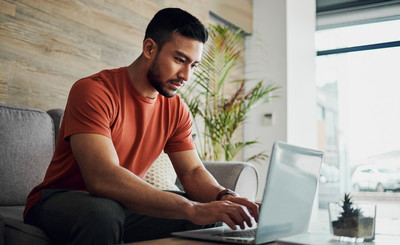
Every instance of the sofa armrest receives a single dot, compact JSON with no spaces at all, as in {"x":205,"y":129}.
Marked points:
{"x":240,"y":177}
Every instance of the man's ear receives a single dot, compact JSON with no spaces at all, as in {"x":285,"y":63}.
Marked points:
{"x":149,"y":48}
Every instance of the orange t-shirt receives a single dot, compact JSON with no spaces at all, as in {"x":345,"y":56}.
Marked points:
{"x":140,"y":128}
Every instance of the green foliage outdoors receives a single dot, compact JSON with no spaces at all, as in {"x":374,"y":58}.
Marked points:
{"x":207,"y":98}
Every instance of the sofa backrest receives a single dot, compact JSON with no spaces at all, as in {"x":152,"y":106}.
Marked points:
{"x":26,"y":148}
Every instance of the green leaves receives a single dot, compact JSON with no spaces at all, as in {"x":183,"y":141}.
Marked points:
{"x":219,"y":97}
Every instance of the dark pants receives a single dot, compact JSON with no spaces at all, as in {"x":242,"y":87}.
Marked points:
{"x":76,"y":217}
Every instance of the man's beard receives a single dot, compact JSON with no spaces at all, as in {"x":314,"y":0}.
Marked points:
{"x":154,"y":77}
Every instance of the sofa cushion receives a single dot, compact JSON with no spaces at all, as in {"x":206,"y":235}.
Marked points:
{"x":1,"y":230}
{"x":162,"y":174}
{"x":16,"y":233}
{"x":12,"y":212}
{"x":26,"y":148}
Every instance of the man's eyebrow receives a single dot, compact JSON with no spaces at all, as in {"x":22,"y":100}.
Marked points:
{"x":185,"y":56}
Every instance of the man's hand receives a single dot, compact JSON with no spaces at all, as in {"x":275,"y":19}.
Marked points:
{"x":252,"y":207}
{"x":232,"y":212}
{"x":201,"y":187}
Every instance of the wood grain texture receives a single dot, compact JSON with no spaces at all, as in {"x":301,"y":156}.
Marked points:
{"x":46,"y":45}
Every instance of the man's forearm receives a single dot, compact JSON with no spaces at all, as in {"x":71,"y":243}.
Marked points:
{"x":99,"y":165}
{"x":141,"y":197}
{"x":200,"y":185}
{"x":137,"y":195}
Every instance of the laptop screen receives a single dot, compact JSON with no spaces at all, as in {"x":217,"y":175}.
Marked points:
{"x":290,"y":191}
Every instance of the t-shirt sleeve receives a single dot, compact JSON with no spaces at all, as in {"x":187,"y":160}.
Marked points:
{"x":181,"y":139}
{"x":89,"y":109}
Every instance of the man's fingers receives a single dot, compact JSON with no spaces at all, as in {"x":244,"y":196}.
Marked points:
{"x":255,"y":211}
{"x":234,"y":212}
{"x":252,"y":207}
{"x":246,"y":218}
{"x":228,"y":221}
{"x":239,"y":215}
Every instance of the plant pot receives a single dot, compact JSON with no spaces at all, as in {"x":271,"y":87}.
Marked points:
{"x":357,"y":228}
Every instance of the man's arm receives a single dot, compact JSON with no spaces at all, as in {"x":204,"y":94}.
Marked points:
{"x":103,"y":176}
{"x":199,"y":184}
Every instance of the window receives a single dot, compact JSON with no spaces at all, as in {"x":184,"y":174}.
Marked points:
{"x":358,"y":104}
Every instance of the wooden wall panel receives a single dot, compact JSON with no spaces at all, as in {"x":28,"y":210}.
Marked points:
{"x":46,"y":45}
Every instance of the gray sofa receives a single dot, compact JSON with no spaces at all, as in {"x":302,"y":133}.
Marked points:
{"x":27,"y":141}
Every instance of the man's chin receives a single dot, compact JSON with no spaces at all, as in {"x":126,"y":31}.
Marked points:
{"x":163,"y":89}
{"x":168,"y":94}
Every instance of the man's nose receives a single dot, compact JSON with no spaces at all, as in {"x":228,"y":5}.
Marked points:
{"x":185,"y":73}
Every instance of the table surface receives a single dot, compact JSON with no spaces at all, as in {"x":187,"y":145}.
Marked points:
{"x":314,"y":238}
{"x":178,"y":241}
{"x":387,"y":233}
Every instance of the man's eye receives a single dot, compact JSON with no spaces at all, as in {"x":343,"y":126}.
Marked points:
{"x":195,"y":65}
{"x":179,"y":60}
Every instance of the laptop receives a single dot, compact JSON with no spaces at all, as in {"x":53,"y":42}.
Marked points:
{"x":289,"y":193}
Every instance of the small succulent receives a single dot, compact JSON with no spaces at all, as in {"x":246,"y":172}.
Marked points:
{"x":348,"y":210}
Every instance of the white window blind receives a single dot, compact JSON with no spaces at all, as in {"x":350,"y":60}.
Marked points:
{"x":375,"y":12}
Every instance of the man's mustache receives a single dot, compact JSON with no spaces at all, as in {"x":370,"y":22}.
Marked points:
{"x":180,"y":81}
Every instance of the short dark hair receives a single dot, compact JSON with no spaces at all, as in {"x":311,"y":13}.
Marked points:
{"x":170,"y":20}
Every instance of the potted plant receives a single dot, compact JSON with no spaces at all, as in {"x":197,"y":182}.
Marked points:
{"x":220,"y":99}
{"x":352,"y":220}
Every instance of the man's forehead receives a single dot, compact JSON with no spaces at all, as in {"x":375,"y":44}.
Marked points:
{"x":185,"y":46}
{"x":182,"y":54}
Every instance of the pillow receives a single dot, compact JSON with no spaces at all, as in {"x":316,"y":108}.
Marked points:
{"x":162,"y":174}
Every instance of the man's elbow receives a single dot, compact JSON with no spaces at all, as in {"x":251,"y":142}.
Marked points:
{"x":95,"y":186}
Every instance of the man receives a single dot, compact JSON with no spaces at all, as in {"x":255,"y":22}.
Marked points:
{"x":115,"y":125}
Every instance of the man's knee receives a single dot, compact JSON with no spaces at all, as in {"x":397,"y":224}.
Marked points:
{"x":99,"y":211}
{"x":101,"y":218}
{"x":99,"y":226}
{"x":76,"y":217}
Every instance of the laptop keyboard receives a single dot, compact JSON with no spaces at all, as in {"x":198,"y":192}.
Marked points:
{"x":244,"y":234}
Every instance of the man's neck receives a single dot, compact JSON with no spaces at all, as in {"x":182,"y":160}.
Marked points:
{"x":138,"y":74}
